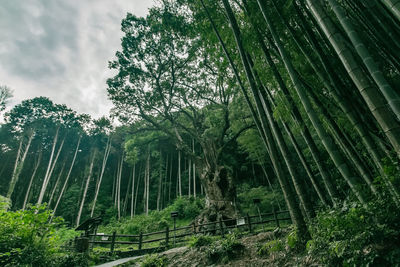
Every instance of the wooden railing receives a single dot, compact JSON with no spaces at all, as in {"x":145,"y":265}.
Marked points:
{"x":165,"y":238}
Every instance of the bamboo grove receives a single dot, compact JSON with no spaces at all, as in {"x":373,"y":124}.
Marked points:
{"x":308,"y":91}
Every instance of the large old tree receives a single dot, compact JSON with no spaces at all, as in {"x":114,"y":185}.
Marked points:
{"x":171,"y":79}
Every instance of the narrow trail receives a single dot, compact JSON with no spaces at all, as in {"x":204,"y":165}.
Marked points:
{"x":124,"y":260}
{"x":118,"y":262}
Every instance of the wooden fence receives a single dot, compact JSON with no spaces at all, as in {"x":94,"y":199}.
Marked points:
{"x":172,"y":236}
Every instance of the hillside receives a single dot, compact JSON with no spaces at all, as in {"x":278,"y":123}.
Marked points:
{"x":249,"y":254}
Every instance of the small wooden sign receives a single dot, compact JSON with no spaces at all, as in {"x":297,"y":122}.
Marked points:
{"x":103,"y":238}
{"x":240,"y":221}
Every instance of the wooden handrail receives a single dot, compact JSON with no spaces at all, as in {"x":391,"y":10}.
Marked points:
{"x":153,"y":240}
{"x":219,"y":227}
{"x":154,"y":233}
{"x":130,"y":236}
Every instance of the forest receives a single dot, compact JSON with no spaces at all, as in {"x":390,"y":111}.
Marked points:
{"x":216,"y":103}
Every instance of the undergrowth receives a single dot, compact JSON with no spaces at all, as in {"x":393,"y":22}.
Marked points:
{"x":226,"y":249}
{"x":187,"y":207}
{"x":198,"y":241}
{"x":29,"y":238}
{"x":154,"y":260}
{"x":357,"y":235}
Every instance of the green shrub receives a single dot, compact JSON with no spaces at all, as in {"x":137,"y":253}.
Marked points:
{"x":198,"y":241}
{"x":153,"y":260}
{"x":228,"y":248}
{"x":71,"y":259}
{"x":271,"y":247}
{"x":188,"y":209}
{"x":357,"y":235}
{"x":28,"y":238}
{"x":293,"y":239}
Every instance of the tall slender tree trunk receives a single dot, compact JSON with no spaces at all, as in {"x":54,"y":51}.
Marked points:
{"x":56,"y":184}
{"x":164,"y":191}
{"x":170,"y":182}
{"x":16,"y":164}
{"x":42,"y":191}
{"x":298,"y":184}
{"x":133,"y":188}
{"x":115,"y":184}
{"x":306,"y":166}
{"x":294,"y":210}
{"x":342,"y":101}
{"x":103,"y":167}
{"x":125,"y":206}
{"x":159,"y":184}
{"x":145,"y":187}
{"x":68,"y":175}
{"x":50,"y":167}
{"x":137,"y":189}
{"x":335,"y":155}
{"x":194,"y":172}
{"x":19,"y":163}
{"x":297,"y":118}
{"x":190,"y":177}
{"x":390,"y":95}
{"x":38,"y":160}
{"x":375,"y":23}
{"x":343,"y":141}
{"x":78,"y":218}
{"x":148,"y":181}
{"x":118,"y":193}
{"x":375,"y":101}
{"x":394,"y":7}
{"x":55,"y":162}
{"x":179,"y":174}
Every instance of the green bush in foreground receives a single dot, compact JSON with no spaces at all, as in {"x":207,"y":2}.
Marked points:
{"x":29,"y":238}
{"x":198,"y":241}
{"x":153,"y":260}
{"x":226,"y":249}
{"x":357,"y":235}
{"x":271,"y":247}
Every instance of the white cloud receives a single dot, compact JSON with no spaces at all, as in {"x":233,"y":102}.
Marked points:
{"x":60,"y":49}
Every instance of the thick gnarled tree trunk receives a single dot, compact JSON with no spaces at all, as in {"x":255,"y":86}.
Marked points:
{"x":219,"y":188}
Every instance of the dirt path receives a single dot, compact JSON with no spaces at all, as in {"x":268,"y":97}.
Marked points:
{"x":118,"y":262}
{"x":124,"y":260}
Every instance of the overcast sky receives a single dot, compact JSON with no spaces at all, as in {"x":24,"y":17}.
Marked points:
{"x":60,"y":49}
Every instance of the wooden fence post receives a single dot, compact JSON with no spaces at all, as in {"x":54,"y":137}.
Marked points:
{"x":249,"y":222}
{"x":221,"y":227}
{"x":140,"y":240}
{"x":113,"y":241}
{"x":166,"y":236}
{"x":275,"y":217}
{"x":194,"y":227}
